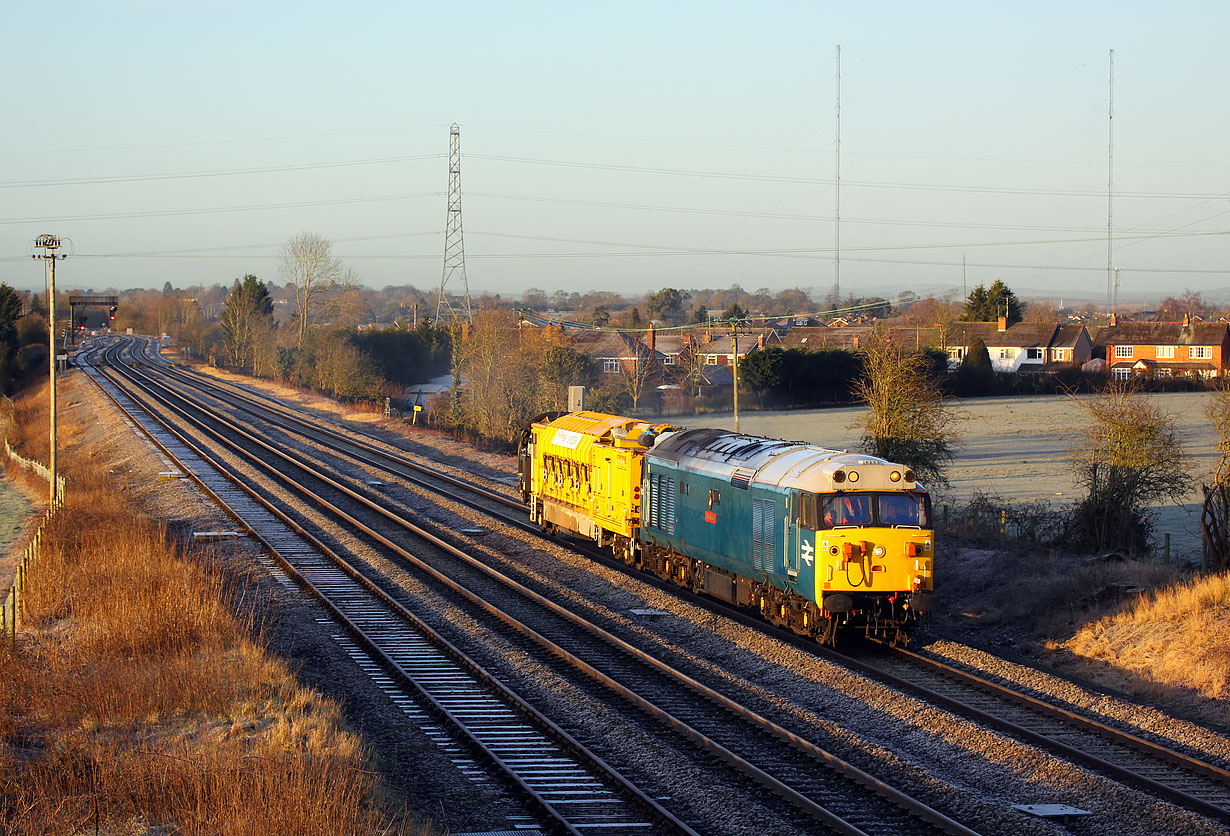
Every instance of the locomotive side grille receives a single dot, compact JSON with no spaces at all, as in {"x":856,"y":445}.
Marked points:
{"x":670,"y":507}
{"x":655,"y":497}
{"x":742,"y":478}
{"x":757,"y":534}
{"x":766,"y":556}
{"x":762,"y":534}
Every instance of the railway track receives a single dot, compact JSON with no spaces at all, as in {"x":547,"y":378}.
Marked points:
{"x":570,"y":788}
{"x":1075,"y":736}
{"x":822,"y":786}
{"x":1178,"y":777}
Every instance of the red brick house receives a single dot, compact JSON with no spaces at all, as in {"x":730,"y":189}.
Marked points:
{"x":1166,"y":349}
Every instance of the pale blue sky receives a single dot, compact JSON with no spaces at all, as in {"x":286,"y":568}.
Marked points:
{"x":625,"y":146}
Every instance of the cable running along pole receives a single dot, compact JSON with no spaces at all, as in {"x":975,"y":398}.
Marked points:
{"x":49,"y":244}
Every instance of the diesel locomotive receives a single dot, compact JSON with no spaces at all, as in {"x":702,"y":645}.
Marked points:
{"x":815,"y":539}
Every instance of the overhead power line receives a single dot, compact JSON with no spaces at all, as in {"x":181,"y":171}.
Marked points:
{"x":111,"y":216}
{"x":866,"y":184}
{"x":236,"y":172}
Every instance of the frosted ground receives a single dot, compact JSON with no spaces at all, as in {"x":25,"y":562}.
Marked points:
{"x":1017,"y":448}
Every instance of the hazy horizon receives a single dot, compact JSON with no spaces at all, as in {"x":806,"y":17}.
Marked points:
{"x":623,"y":148}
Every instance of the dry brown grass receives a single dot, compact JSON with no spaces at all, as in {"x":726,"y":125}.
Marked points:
{"x":1176,"y":636}
{"x":135,"y":698}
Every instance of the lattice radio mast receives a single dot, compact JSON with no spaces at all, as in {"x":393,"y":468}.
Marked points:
{"x":1110,"y":184}
{"x":837,"y":194}
{"x":454,"y":246}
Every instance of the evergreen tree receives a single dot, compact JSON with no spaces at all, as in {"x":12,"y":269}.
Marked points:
{"x":10,"y":310}
{"x":667,"y":305}
{"x":976,"y":374}
{"x":988,"y":304}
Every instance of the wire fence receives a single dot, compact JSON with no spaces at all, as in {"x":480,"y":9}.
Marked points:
{"x":13,"y":610}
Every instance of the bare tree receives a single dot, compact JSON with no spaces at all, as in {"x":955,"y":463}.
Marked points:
{"x":319,"y":278}
{"x":636,"y":373}
{"x":499,"y":367}
{"x":906,"y":420}
{"x":1130,"y":456}
{"x":1215,"y":515}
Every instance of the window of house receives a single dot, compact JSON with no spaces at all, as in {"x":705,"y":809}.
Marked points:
{"x":1123,"y":351}
{"x":1200,"y":352}
{"x":956,"y":353}
{"x":1165,"y":352}
{"x":1007,"y":354}
{"x":1120,"y":374}
{"x":668,"y":360}
{"x":610,"y":366}
{"x":1062,"y":353}
{"x":1163,"y":371}
{"x":1035,"y":354}
{"x":710,"y":359}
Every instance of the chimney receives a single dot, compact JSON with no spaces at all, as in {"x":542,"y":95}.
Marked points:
{"x":760,"y":341}
{"x":649,"y":339}
{"x":1114,"y":320}
{"x":1187,"y":320}
{"x":1003,"y":323}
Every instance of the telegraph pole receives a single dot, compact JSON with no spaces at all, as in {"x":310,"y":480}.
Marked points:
{"x":49,"y":244}
{"x":734,"y":342}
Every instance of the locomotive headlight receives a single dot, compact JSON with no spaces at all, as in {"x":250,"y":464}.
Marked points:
{"x":853,"y":476}
{"x":878,"y":551}
{"x":909,"y":476}
{"x":839,"y":476}
{"x":895,"y":476}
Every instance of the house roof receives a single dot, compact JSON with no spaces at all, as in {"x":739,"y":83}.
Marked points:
{"x":1020,"y":335}
{"x":1163,"y":333}
{"x":1067,"y":336}
{"x":820,"y":336}
{"x":602,"y":344}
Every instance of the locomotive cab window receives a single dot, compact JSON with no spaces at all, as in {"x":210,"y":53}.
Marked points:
{"x":850,"y":510}
{"x":806,"y":512}
{"x":907,"y":510}
{"x":876,"y":510}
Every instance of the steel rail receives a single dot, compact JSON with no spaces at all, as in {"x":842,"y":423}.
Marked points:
{"x":1118,"y":736}
{"x":545,"y":805}
{"x":850,"y":772}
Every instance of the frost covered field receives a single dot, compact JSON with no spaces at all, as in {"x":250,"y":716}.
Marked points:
{"x":1018,"y":448}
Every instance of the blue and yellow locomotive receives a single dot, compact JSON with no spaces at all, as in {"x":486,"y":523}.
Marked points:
{"x":814,"y":539}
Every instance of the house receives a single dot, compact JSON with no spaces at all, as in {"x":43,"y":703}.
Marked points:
{"x":1023,"y":347}
{"x":613,"y":352}
{"x":1165,"y":349}
{"x":1070,"y":344}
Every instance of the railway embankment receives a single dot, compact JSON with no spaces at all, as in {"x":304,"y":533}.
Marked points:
{"x":140,"y":694}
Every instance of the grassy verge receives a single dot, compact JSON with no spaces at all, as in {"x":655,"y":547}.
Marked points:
{"x":1173,"y":636}
{"x":136,"y":700}
{"x":1140,"y":626}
